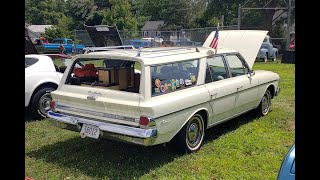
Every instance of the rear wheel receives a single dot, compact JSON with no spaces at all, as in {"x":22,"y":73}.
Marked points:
{"x":190,"y":137}
{"x":41,"y":102}
{"x":264,"y":106}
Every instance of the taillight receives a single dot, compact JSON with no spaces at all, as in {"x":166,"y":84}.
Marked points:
{"x":52,"y":105}
{"x":144,"y":121}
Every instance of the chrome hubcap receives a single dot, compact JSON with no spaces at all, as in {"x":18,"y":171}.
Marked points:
{"x":194,"y":132}
{"x":265,"y":103}
{"x":44,"y":104}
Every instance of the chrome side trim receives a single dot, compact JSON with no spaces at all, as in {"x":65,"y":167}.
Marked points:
{"x":103,"y":126}
{"x":94,"y":113}
{"x":228,"y":118}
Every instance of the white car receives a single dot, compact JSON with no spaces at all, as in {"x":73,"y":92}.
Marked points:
{"x":41,"y":78}
{"x":180,"y":92}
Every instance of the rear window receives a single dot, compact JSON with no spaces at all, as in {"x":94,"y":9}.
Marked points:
{"x":172,"y":77}
{"x":30,"y":61}
{"x":105,"y":73}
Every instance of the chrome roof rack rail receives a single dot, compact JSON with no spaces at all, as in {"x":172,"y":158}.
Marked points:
{"x":105,"y":48}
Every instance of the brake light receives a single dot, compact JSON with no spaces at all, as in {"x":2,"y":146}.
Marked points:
{"x":52,"y":105}
{"x":144,"y":121}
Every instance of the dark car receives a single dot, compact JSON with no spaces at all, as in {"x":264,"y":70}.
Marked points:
{"x":287,"y":170}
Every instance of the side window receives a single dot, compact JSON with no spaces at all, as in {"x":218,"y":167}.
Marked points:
{"x":172,"y":77}
{"x":216,"y":69}
{"x":237,"y":67}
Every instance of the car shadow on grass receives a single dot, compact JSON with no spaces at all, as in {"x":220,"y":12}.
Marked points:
{"x":104,"y":158}
{"x":230,"y":125}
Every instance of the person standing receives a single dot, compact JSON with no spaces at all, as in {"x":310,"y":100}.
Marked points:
{"x":62,"y":49}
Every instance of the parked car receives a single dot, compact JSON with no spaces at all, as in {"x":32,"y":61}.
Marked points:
{"x":178,"y":94}
{"x":288,"y":168}
{"x":41,"y":78}
{"x":267,"y":51}
{"x":53,"y":47}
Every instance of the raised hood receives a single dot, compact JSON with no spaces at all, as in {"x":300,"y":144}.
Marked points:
{"x":247,"y":42}
{"x":103,"y":35}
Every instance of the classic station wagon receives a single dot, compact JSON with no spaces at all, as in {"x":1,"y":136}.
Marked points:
{"x":178,"y":93}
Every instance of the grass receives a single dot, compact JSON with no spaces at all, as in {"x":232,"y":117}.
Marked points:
{"x":247,"y":147}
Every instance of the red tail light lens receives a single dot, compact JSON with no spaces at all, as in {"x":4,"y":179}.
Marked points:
{"x":144,"y":121}
{"x":52,"y":105}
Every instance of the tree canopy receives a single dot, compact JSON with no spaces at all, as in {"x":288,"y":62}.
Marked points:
{"x":131,"y":15}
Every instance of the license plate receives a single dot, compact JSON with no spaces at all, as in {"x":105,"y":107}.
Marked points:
{"x":90,"y":131}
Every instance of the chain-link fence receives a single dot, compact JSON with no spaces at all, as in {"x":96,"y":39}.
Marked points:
{"x":184,"y":37}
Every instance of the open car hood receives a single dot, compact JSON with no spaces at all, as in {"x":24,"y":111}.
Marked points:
{"x":247,"y":42}
{"x":103,"y":35}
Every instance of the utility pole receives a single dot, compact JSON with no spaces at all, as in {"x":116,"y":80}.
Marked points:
{"x":222,"y":19}
{"x":239,"y":16}
{"x":288,"y":25}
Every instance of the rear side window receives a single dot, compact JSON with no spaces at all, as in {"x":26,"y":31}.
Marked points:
{"x":172,"y":77}
{"x":30,"y":61}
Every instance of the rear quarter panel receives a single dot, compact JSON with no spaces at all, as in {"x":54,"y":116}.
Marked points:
{"x":171,"y":111}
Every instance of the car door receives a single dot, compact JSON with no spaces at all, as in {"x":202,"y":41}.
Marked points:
{"x":246,"y":85}
{"x":221,"y":89}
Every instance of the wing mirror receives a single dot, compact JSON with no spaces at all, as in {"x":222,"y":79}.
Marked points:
{"x":251,"y":73}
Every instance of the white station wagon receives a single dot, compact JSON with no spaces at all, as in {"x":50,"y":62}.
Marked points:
{"x":178,"y":94}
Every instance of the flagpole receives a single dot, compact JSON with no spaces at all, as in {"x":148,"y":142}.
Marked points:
{"x":216,"y":49}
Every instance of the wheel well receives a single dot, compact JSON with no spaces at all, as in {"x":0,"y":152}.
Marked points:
{"x":267,"y":54}
{"x":272,"y":90}
{"x":48,"y":84}
{"x":204,"y":115}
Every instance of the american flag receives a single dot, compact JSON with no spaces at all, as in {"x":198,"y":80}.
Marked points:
{"x":214,"y":42}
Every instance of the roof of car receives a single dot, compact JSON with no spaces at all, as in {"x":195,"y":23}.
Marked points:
{"x":149,"y":56}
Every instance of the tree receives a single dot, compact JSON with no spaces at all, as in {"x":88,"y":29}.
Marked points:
{"x":120,"y":15}
{"x":44,"y":11}
{"x":175,"y":14}
{"x":80,"y":11}
{"x":55,"y":31}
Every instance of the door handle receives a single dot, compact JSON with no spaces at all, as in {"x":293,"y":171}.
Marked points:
{"x":214,"y":94}
{"x":239,"y":87}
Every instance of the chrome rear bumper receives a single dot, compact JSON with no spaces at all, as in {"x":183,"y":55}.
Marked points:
{"x":129,"y":134}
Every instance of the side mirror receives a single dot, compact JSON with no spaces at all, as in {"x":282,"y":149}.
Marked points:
{"x":251,"y":73}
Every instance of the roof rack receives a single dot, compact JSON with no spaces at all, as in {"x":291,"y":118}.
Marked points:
{"x":95,"y":49}
{"x":163,"y":50}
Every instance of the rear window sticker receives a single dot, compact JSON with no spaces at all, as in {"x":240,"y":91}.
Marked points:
{"x":193,"y":78}
{"x":162,"y":88}
{"x":157,"y":82}
{"x":188,"y":82}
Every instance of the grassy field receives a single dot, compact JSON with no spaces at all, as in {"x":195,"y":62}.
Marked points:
{"x":247,"y":147}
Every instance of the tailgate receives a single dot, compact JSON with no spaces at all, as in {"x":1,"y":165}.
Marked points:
{"x":98,"y":104}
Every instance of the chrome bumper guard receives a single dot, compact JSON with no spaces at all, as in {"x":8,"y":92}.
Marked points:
{"x":114,"y":131}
